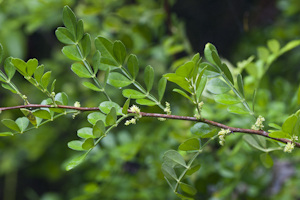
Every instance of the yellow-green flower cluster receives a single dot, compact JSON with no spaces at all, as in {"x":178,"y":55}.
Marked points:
{"x":77,"y":104}
{"x":135,"y":110}
{"x":168,"y":108}
{"x":222,"y":133}
{"x":289,"y":147}
{"x":259,"y":123}
{"x":132,"y":121}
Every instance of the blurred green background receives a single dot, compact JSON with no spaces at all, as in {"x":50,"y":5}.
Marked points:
{"x":127,"y":163}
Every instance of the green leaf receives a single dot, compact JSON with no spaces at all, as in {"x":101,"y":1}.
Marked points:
{"x":183,"y":94}
{"x":273,"y":125}
{"x":266,"y":159}
{"x":22,"y":122}
{"x":289,"y":124}
{"x":273,"y":45}
{"x":133,"y":66}
{"x":39,"y":73}
{"x":263,"y":53}
{"x":53,"y":85}
{"x":106,"y":106}
{"x":86,"y":45}
{"x":85,"y":132}
{"x":76,"y":161}
{"x":188,"y":189}
{"x":98,"y":129}
{"x":126,"y":106}
{"x":173,"y":159}
{"x":289,"y":46}
{"x":240,"y":84}
{"x":79,"y":30}
{"x":91,"y":86}
{"x":106,"y":63}
{"x":216,"y":58}
{"x":88,"y":144}
{"x":279,"y":134}
{"x":75,"y":145}
{"x":80,"y":70}
{"x":190,"y":145}
{"x":253,"y":99}
{"x":227,"y":72}
{"x":227,"y":99}
{"x":179,"y":80}
{"x":62,"y":97}
{"x":217,"y":86}
{"x":107,"y":72}
{"x":182,"y":197}
{"x":186,"y":69}
{"x":145,"y":102}
{"x":209,"y":48}
{"x":71,"y":53}
{"x":201,"y":129}
{"x":20,"y":65}
{"x":96,"y":61}
{"x":134,"y":94}
{"x":106,"y":48}
{"x":237,"y":110}
{"x":45,"y":79}
{"x":111,"y":117}
{"x":161,"y":88}
{"x":210,"y":71}
{"x":193,"y":169}
{"x":29,"y":116}
{"x":8,"y":87}
{"x":44,"y":114}
{"x":95,"y":116}
{"x":118,"y":80}
{"x":69,"y":20}
{"x":9,"y":68}
{"x":119,"y":51}
{"x":64,"y":36}
{"x":168,"y":172}
{"x":11,"y":124}
{"x":3,"y":134}
{"x":252,"y":142}
{"x":3,"y":78}
{"x":149,"y":77}
{"x":201,"y":87}
{"x":1,"y":52}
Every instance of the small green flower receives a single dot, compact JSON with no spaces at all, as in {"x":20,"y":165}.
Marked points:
{"x":259,"y":123}
{"x":222,"y":133}
{"x":289,"y":147}
{"x":77,"y":104}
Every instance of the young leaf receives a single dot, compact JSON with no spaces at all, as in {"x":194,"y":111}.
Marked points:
{"x":119,"y":51}
{"x":227,"y":99}
{"x":22,"y":122}
{"x":179,"y":80}
{"x":3,"y":134}
{"x":91,"y":86}
{"x":85,"y":132}
{"x":6,"y":86}
{"x":173,"y":159}
{"x":217,"y":86}
{"x":133,"y":65}
{"x":95,"y":116}
{"x":190,"y":145}
{"x":273,"y":125}
{"x":106,"y":106}
{"x":1,"y":52}
{"x":71,"y":53}
{"x":279,"y":134}
{"x":193,"y":169}
{"x":45,"y":79}
{"x":168,"y":172}
{"x":209,"y":48}
{"x":11,"y":124}
{"x":188,"y":189}
{"x":106,"y":63}
{"x":86,"y":45}
{"x":79,"y":30}
{"x":64,"y":36}
{"x":44,"y":114}
{"x":134,"y":94}
{"x":266,"y":159}
{"x":126,"y":106}
{"x":88,"y":144}
{"x":98,"y":129}
{"x":237,"y":110}
{"x":289,"y":124}
{"x":75,"y":145}
{"x":39,"y":73}
{"x":20,"y":65}
{"x":227,"y":72}
{"x":62,"y":97}
{"x":161,"y":88}
{"x":111,"y":117}
{"x":106,"y":48}
{"x":69,"y":20}
{"x":9,"y":68}
{"x":183,"y":94}
{"x":80,"y":70}
{"x":201,"y":87}
{"x":240,"y":84}
{"x":186,"y":69}
{"x":145,"y":102}
{"x":53,"y":85}
{"x":96,"y":61}
{"x":149,"y":77}
{"x":118,"y":80}
{"x":76,"y":161}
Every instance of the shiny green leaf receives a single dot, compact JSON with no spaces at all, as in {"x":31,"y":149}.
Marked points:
{"x":227,"y":99}
{"x":3,"y":134}
{"x":227,"y":72}
{"x":201,"y":129}
{"x":173,"y":159}
{"x":79,"y":30}
{"x":118,"y":80}
{"x":188,"y":188}
{"x":96,"y":61}
{"x":183,"y":94}
{"x":98,"y":129}
{"x":88,"y":144}
{"x":91,"y":86}
{"x":193,"y":169}
{"x":80,"y":70}
{"x":8,"y":87}
{"x":111,"y":117}
{"x":53,"y":85}
{"x":252,"y":142}
{"x":179,"y":80}
{"x":182,"y":197}
{"x":86,"y":45}
{"x":75,"y":145}
{"x":201,"y":87}
{"x":69,"y":20}
{"x":22,"y":122}
{"x":9,"y":68}
{"x":20,"y":65}
{"x":190,"y":145}
{"x":145,"y":102}
{"x":279,"y":134}
{"x":289,"y":124}
{"x":126,"y":106}
{"x":240,"y":84}
{"x":95,"y":116}
{"x":71,"y":53}
{"x":44,"y":114}
{"x":106,"y":48}
{"x":45,"y":79}
{"x":273,"y":125}
{"x":186,"y":69}
{"x":210,"y":70}
{"x":85,"y":132}
{"x":168,"y":172}
{"x":149,"y":77}
{"x":11,"y":124}
{"x":217,"y":86}
{"x":39,"y":73}
{"x":64,"y":36}
{"x":216,"y":58}
{"x":161,"y":88}
{"x":106,"y":106}
{"x":119,"y":51}
{"x":134,"y":94}
{"x":237,"y":110}
{"x":62,"y":97}
{"x":76,"y":161}
{"x":133,"y":65}
{"x":106,"y":63}
{"x":209,"y":48}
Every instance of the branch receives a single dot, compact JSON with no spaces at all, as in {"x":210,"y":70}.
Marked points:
{"x":158,"y":115}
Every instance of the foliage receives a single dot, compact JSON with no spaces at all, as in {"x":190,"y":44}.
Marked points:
{"x":103,"y":143}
